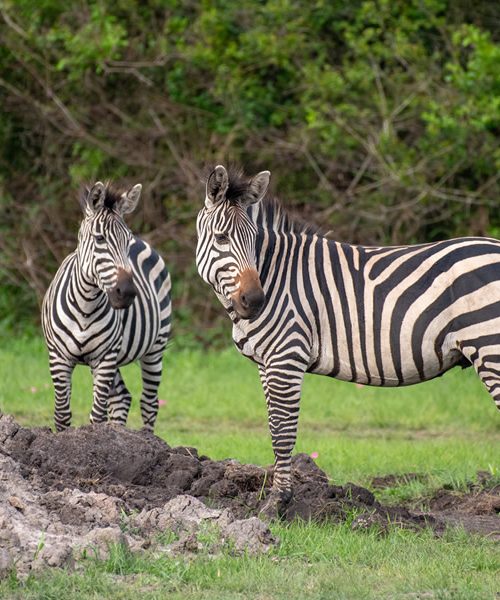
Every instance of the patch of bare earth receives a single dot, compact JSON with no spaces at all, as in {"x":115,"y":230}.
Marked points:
{"x":73,"y":493}
{"x":477,"y":510}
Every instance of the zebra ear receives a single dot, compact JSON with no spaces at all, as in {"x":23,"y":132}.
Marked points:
{"x":217,"y":184}
{"x":129,"y":200}
{"x":95,"y":197}
{"x":257,"y":188}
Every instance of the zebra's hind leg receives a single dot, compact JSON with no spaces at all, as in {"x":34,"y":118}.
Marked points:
{"x":282,"y":384}
{"x":103,"y":374}
{"x":61,"y":372}
{"x":486,"y":361}
{"x":119,"y":400}
{"x":151,"y":367}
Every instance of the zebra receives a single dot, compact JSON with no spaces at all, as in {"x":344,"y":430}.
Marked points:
{"x":302,"y":303}
{"x":108,"y":305}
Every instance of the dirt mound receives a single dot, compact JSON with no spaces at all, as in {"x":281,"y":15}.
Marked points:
{"x":67,"y":495}
{"x":144,"y":472}
{"x":96,"y":484}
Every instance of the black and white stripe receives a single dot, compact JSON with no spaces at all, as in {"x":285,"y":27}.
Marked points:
{"x":108,"y":305}
{"x":385,"y":316}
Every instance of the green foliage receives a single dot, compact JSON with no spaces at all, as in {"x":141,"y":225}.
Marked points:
{"x":378,"y":120}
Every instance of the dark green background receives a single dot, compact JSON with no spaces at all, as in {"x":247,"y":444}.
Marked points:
{"x":378,"y":120}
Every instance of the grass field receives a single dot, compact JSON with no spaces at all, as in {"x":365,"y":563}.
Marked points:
{"x":448,"y":428}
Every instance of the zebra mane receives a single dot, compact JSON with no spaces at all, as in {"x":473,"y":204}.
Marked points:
{"x":113,"y":195}
{"x":269,"y":213}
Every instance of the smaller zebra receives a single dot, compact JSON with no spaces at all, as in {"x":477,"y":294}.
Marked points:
{"x":108,"y":305}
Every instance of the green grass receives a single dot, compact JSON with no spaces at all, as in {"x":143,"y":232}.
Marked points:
{"x":447,"y":429}
{"x":312,"y":562}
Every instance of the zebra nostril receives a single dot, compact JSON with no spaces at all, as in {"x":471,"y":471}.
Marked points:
{"x":252,"y":299}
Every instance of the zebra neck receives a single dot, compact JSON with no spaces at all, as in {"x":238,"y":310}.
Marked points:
{"x":85,"y":292}
{"x":271,"y":248}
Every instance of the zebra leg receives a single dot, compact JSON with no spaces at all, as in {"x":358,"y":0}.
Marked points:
{"x":486,"y":361}
{"x":119,"y":400}
{"x":151,"y":367}
{"x":282,"y":388}
{"x":61,"y":372}
{"x":104,"y":375}
{"x":263,"y":380}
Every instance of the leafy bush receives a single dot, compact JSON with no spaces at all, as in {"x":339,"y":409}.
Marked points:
{"x":378,"y":119}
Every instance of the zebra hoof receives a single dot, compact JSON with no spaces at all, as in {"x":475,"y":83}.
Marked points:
{"x":275,"y":505}
{"x":60,"y":429}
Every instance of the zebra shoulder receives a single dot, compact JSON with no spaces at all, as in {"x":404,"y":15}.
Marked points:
{"x":146,"y":258}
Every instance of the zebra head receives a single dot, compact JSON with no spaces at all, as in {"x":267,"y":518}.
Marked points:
{"x":226,"y":250}
{"x":104,"y":241}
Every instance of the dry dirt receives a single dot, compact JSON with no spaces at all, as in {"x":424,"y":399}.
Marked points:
{"x":72,"y":493}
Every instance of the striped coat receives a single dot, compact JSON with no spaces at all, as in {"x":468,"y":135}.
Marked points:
{"x":108,"y":305}
{"x":299,"y":302}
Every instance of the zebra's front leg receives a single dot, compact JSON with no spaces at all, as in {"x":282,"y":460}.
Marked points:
{"x":61,"y":372}
{"x":151,"y":367}
{"x":282,"y":384}
{"x":104,"y":374}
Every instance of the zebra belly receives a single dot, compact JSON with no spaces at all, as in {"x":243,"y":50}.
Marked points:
{"x":410,"y":375}
{"x":138,"y":340}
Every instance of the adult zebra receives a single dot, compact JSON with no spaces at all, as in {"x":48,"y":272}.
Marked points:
{"x":108,"y":305}
{"x":299,"y":302}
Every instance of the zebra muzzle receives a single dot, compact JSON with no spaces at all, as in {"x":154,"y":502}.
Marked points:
{"x":124,"y":292}
{"x":249,"y":299}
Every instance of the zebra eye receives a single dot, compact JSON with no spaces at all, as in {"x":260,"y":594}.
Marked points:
{"x":222,"y":238}
{"x":99,"y":238}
